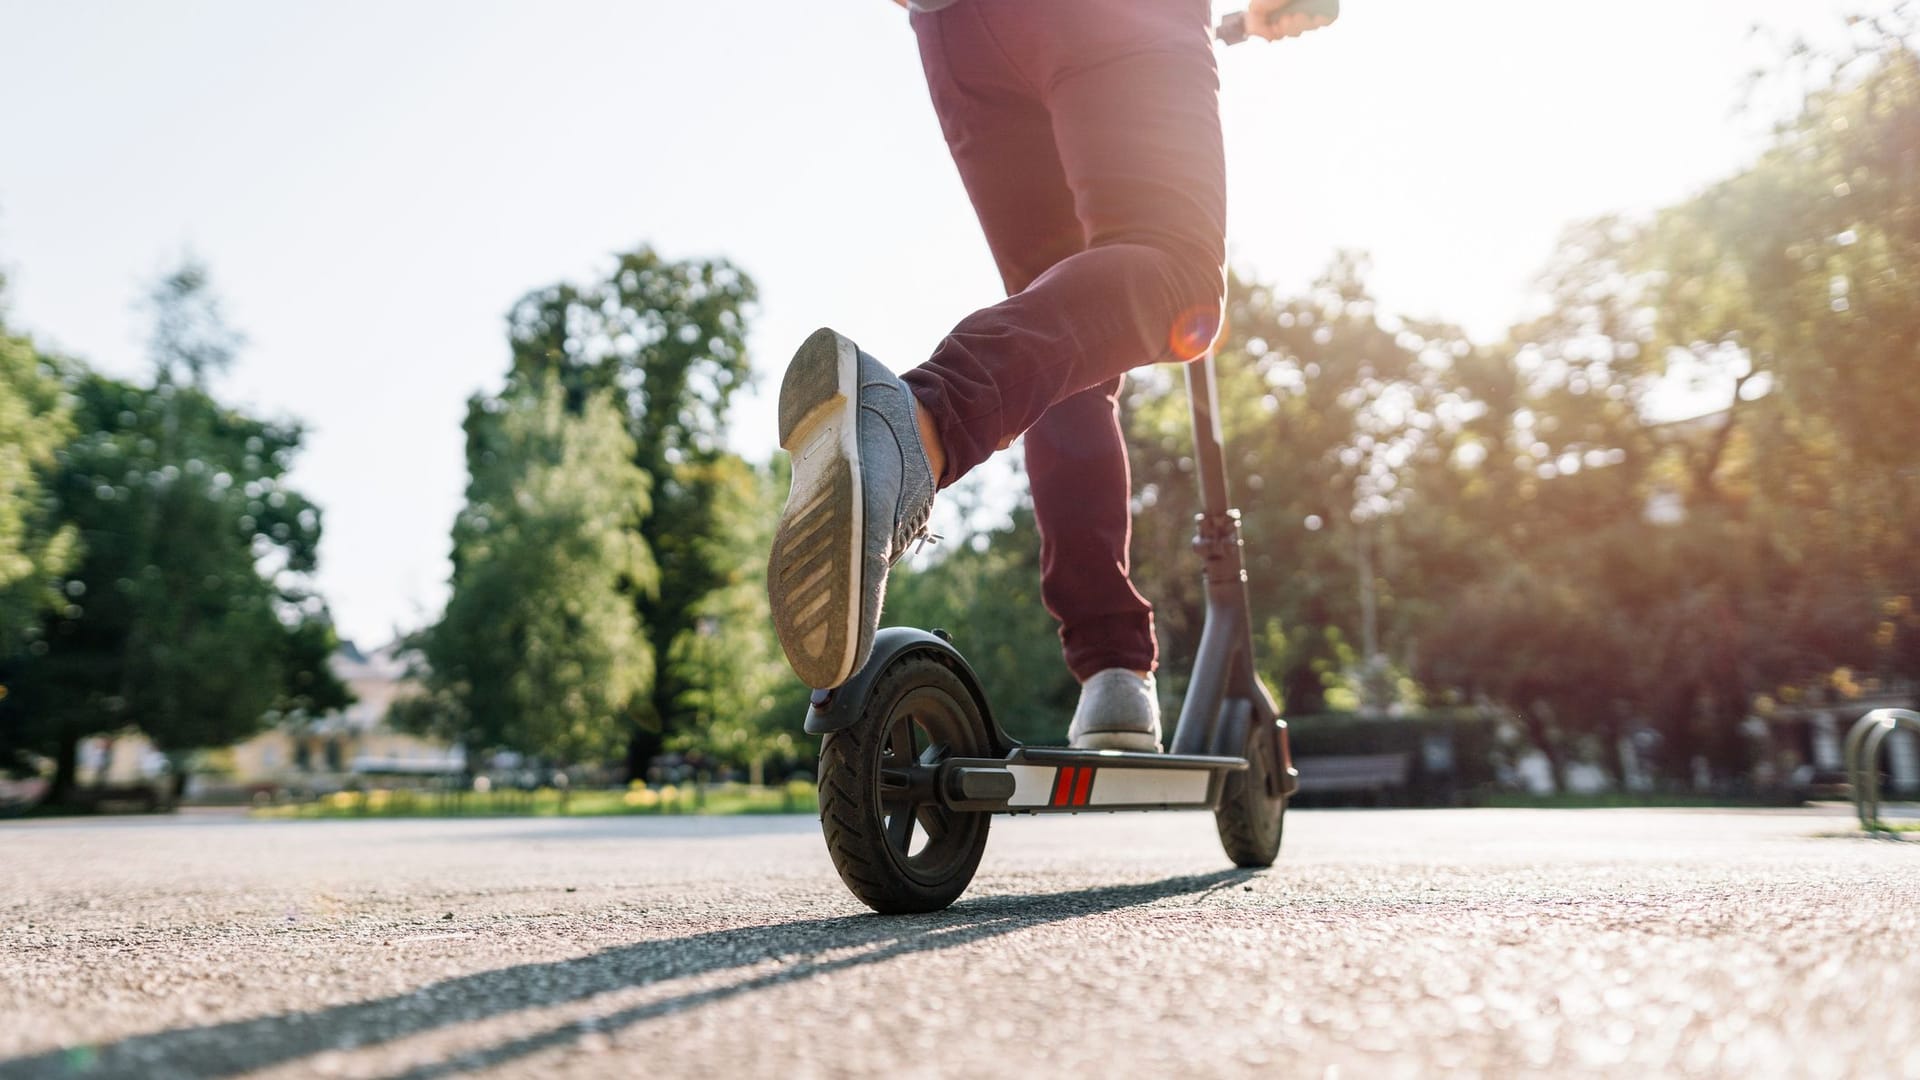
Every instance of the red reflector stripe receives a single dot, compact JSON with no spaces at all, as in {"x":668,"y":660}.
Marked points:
{"x":1062,"y":787}
{"x":1082,"y":787}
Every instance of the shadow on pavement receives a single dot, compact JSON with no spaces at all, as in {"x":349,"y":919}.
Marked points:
{"x":245,"y":1045}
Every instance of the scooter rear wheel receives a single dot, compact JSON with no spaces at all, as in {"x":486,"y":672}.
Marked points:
{"x":1250,"y":818}
{"x":896,"y":847}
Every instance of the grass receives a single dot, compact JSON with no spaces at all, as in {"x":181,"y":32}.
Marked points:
{"x":1899,"y":827}
{"x":795,"y":797}
{"x":1879,"y":829}
{"x":1614,"y":800}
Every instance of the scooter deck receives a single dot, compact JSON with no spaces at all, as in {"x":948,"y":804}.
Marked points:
{"x":1053,"y":780}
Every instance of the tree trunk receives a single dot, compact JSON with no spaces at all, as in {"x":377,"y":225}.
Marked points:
{"x":66,"y":771}
{"x":1679,"y":743}
{"x":1545,"y":740}
{"x":1729,"y":749}
{"x":642,"y":746}
{"x":1612,"y":733}
{"x":177,"y":776}
{"x":1302,"y":691}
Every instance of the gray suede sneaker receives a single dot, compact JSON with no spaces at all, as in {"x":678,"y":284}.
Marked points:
{"x":862,"y":490}
{"x":1118,"y":710}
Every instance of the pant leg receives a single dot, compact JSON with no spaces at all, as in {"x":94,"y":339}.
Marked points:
{"x":1002,"y":139}
{"x":1082,"y":503}
{"x":1132,"y":93}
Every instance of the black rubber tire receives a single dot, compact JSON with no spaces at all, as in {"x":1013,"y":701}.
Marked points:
{"x":1251,"y":821}
{"x":923,"y":691}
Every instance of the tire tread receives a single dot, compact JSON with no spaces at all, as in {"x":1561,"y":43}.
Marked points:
{"x":1243,"y":814}
{"x":855,"y":835}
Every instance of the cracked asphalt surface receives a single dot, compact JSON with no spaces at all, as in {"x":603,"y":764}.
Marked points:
{"x":1416,"y":943}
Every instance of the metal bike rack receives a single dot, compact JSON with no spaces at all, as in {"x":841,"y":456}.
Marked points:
{"x":1863,"y":757}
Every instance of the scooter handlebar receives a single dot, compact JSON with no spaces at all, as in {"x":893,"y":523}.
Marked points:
{"x":1233,"y":29}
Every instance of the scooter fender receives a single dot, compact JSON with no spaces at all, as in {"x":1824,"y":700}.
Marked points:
{"x":840,"y":708}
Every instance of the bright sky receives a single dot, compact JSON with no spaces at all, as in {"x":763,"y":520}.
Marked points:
{"x":373,"y":184}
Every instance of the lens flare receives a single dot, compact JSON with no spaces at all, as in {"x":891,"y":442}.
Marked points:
{"x":1194,"y":332}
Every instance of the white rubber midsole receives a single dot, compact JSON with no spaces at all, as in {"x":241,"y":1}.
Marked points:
{"x":850,"y":447}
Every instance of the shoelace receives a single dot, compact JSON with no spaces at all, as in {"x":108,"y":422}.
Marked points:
{"x":914,"y":532}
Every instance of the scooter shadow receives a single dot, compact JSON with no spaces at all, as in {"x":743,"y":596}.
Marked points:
{"x":241,"y":1046}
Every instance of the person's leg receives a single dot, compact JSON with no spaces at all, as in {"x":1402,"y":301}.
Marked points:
{"x":1132,"y":92}
{"x":1082,"y":502}
{"x":1002,"y":139}
{"x":865,"y":465}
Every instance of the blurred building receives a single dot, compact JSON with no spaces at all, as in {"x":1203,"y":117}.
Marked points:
{"x":326,"y":752}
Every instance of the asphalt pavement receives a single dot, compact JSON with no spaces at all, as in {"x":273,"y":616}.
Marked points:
{"x":1391,"y":943}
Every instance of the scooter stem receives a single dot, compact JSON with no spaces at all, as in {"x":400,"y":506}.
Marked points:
{"x":1223,"y":664}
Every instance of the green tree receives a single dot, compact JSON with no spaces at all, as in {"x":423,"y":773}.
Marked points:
{"x":1799,"y":269}
{"x":35,"y":419}
{"x":667,"y":339}
{"x":744,"y":704}
{"x":1780,"y":553}
{"x":540,"y":650}
{"x":188,"y":615}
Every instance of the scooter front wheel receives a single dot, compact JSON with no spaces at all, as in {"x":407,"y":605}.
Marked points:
{"x":1251,"y":816}
{"x":894,"y":844}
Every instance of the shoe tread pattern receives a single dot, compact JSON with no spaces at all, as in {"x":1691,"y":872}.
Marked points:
{"x":808,"y":586}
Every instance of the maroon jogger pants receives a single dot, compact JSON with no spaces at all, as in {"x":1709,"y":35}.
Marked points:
{"x":1087,"y":133}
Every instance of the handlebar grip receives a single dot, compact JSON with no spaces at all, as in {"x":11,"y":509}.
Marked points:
{"x":1329,"y":8}
{"x":1233,"y":29}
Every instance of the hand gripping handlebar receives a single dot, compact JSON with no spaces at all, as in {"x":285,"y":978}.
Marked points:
{"x":1233,"y":29}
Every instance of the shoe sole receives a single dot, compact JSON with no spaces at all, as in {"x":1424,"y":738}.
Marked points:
{"x":1138,"y":742}
{"x":813,"y":573}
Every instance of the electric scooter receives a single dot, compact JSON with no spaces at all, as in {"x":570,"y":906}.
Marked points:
{"x":913,"y":765}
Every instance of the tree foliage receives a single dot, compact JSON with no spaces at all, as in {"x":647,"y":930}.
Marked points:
{"x":540,"y":650}
{"x":1563,"y":548}
{"x":667,"y":340}
{"x":187,"y":615}
{"x":742,"y":703}
{"x":35,"y":419}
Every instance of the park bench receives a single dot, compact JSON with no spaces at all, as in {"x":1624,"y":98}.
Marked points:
{"x":1369,"y":773}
